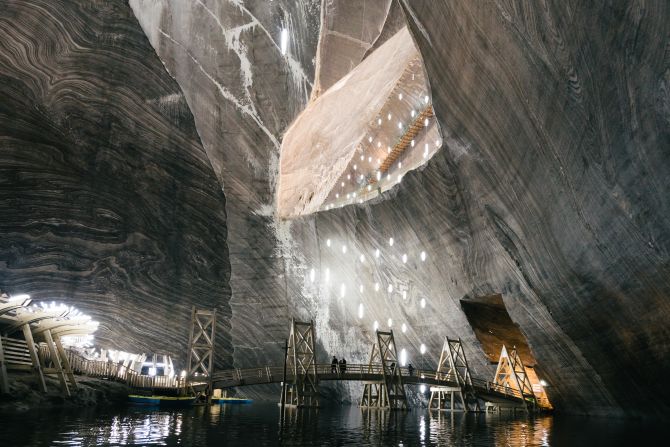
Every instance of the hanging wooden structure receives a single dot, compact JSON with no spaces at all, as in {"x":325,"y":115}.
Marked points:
{"x":512,"y":374}
{"x":390,"y":392}
{"x":453,"y":367}
{"x":303,"y":389}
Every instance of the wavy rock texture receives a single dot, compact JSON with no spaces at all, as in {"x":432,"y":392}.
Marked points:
{"x":108,"y":200}
{"x":243,"y":92}
{"x":560,"y":163}
{"x":550,"y":189}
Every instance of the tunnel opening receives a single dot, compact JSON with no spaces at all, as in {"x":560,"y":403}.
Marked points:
{"x":495,"y":329}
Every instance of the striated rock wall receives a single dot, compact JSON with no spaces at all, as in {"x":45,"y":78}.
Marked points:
{"x":107,"y":199}
{"x":243,"y":92}
{"x":559,"y":155}
{"x":550,"y":187}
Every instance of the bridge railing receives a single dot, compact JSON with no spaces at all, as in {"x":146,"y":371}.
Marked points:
{"x":273,"y":374}
{"x":114,"y":371}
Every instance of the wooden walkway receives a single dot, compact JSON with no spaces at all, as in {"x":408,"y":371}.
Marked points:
{"x":361,"y":373}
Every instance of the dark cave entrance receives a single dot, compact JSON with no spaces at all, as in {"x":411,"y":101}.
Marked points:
{"x":494,"y":328}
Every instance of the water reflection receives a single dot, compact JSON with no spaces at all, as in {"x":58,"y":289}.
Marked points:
{"x":260,"y":425}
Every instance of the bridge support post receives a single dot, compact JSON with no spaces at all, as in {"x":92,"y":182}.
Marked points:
{"x":201,"y":346}
{"x":390,"y":392}
{"x":511,"y":373}
{"x":57,"y":363}
{"x":34,"y":357}
{"x":4,"y":380}
{"x":453,"y":367}
{"x":303,"y":389}
{"x":66,"y":363}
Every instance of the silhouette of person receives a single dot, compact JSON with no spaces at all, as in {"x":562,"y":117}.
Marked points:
{"x":343,"y":366}
{"x":333,"y":365}
{"x":393,"y":368}
{"x":410,"y":369}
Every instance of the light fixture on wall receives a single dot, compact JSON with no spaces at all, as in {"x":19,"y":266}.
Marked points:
{"x":284,"y":41}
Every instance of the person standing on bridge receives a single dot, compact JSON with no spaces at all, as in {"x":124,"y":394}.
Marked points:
{"x":410,"y":370}
{"x":333,"y":365}
{"x":343,"y":366}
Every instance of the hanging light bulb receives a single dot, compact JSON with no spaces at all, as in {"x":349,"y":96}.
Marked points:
{"x":360,"y":288}
{"x":423,"y":303}
{"x":377,"y":253}
{"x":376,"y":287}
{"x":422,"y":348}
{"x":391,"y":242}
{"x":343,"y":290}
{"x":362,"y":258}
{"x":375,"y":325}
{"x":423,"y":255}
{"x":312,"y":275}
{"x":404,"y":328}
{"x":360,"y":310}
{"x":400,"y":96}
{"x":390,"y":288}
{"x":388,"y":117}
{"x":344,"y":249}
{"x":328,"y":242}
{"x":404,"y":258}
{"x":389,"y":322}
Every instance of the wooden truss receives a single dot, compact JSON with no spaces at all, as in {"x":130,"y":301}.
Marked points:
{"x":390,"y":392}
{"x":453,"y":367}
{"x":201,"y":345}
{"x":512,"y":374}
{"x":303,"y":390}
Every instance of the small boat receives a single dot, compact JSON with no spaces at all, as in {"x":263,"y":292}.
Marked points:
{"x":161,"y":401}
{"x":230,"y":400}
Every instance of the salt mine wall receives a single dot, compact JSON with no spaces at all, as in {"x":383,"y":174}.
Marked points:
{"x":550,"y":188}
{"x":109,"y":202}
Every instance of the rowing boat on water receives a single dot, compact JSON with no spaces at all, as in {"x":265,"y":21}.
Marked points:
{"x":162,"y":401}
{"x":230,"y":400}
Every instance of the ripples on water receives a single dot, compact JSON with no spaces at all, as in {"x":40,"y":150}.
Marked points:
{"x":259,"y":425}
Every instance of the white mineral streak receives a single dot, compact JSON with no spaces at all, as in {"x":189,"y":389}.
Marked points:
{"x":325,"y":132}
{"x":226,"y":94}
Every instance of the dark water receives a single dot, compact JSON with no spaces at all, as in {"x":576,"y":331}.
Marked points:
{"x":259,"y":425}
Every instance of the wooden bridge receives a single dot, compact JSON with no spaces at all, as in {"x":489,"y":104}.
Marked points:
{"x":451,"y":385}
{"x":384,"y":380}
{"x":487,"y":390}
